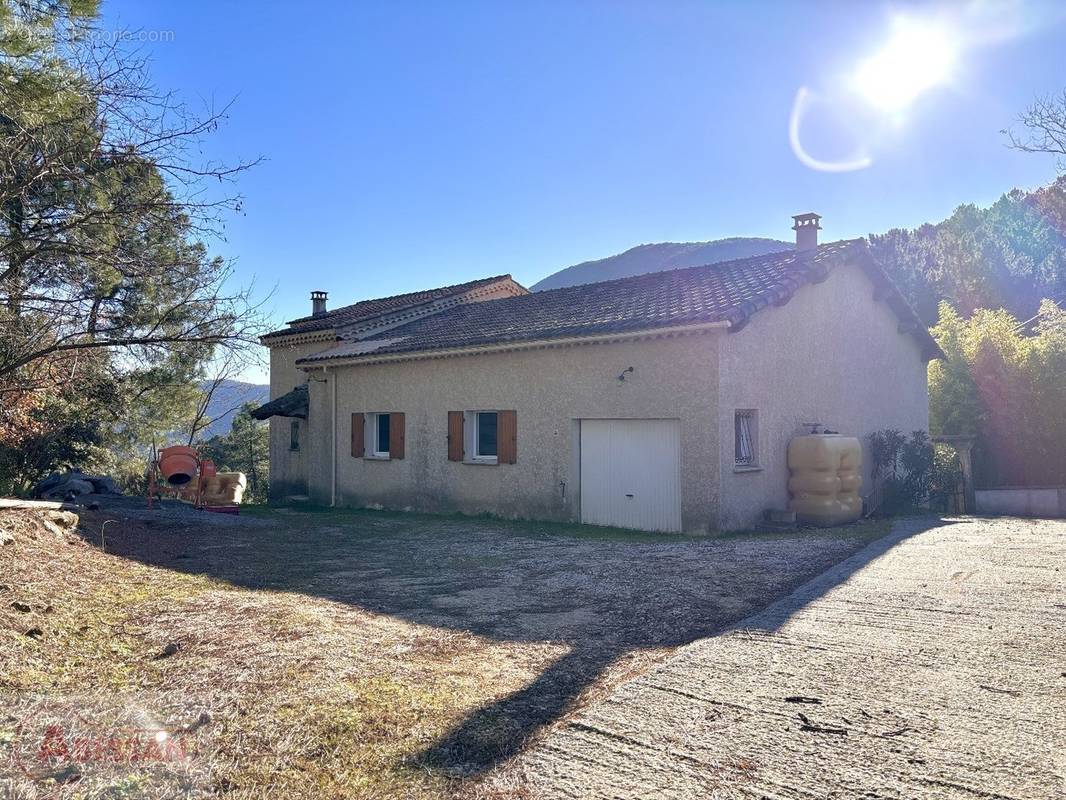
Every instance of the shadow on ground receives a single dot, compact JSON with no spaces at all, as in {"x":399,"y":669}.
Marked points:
{"x":604,"y":596}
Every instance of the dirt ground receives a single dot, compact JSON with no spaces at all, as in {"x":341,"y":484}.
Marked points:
{"x":931,"y":665}
{"x":340,"y":654}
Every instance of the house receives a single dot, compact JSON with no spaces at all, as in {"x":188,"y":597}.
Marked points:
{"x":663,"y":401}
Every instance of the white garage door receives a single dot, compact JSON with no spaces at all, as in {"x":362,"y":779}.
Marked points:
{"x":631,"y":473}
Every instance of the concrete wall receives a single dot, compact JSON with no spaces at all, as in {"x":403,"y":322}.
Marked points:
{"x":832,"y":355}
{"x":288,"y":468}
{"x":1048,"y":502}
{"x":549,"y":390}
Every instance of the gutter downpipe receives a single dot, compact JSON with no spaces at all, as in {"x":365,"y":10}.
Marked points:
{"x":333,"y":437}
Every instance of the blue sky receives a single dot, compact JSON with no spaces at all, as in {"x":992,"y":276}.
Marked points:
{"x":415,"y":144}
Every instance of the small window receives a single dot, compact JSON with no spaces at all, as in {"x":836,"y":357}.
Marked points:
{"x":481,"y":435}
{"x":294,"y":435}
{"x":379,"y":434}
{"x":745,"y":438}
{"x":487,"y":424}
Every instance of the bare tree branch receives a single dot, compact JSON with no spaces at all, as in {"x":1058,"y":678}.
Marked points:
{"x":1045,"y":129}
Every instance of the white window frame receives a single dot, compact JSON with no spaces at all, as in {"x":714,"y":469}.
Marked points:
{"x":372,"y":446}
{"x":741,"y":464}
{"x":470,"y":425}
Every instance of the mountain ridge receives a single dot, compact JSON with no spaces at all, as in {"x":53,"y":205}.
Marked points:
{"x":660,"y":256}
{"x":227,"y":400}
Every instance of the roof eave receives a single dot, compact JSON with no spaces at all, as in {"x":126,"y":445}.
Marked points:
{"x":336,"y":321}
{"x":319,"y":362}
{"x":889,"y":292}
{"x":284,"y":337}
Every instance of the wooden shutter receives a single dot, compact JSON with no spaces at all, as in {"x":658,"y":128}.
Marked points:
{"x":507,"y":437}
{"x":358,"y":450}
{"x":455,"y":435}
{"x":397,"y":434}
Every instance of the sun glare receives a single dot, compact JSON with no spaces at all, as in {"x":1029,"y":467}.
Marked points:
{"x":919,"y":56}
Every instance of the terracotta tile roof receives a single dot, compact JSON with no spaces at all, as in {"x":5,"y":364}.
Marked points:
{"x":368,"y":309}
{"x":729,"y":291}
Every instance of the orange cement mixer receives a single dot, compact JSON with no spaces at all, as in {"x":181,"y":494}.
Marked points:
{"x":178,"y":464}
{"x":186,"y":474}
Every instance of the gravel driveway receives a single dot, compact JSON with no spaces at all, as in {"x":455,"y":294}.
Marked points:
{"x":931,"y":664}
{"x":598,"y":604}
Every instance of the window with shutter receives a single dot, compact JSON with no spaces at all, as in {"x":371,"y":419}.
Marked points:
{"x":488,"y":437}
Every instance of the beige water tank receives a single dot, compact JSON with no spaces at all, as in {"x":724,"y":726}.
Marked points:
{"x":825,"y":474}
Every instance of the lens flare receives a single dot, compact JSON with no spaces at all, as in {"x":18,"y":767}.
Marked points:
{"x":918,"y":56}
{"x":805,"y":99}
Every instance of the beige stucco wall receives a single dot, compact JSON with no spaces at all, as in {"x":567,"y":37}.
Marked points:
{"x":832,"y":355}
{"x":549,"y":389}
{"x":288,"y":468}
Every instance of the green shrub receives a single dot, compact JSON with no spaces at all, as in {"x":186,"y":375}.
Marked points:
{"x":916,"y":473}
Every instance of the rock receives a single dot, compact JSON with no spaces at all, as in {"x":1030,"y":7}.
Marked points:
{"x":68,"y":774}
{"x":6,"y":538}
{"x":168,"y":651}
{"x":21,"y":607}
{"x":35,"y":633}
{"x":63,"y":520}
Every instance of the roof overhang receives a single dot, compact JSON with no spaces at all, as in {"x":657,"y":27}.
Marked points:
{"x":292,"y":404}
{"x":324,"y":360}
{"x":910,"y":323}
{"x":285,"y":338}
{"x":813,"y":272}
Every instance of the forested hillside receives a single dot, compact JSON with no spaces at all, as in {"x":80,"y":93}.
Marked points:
{"x":1010,"y":255}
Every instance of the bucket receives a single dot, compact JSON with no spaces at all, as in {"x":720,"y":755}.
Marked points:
{"x":178,"y":464}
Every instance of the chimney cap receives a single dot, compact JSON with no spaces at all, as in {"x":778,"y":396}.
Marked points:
{"x":808,"y":219}
{"x":318,"y":294}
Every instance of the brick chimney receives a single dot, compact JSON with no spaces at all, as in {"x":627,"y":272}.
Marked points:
{"x":318,"y":303}
{"x":806,"y":227}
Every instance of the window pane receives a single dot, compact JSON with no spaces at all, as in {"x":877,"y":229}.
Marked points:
{"x":744,"y":440}
{"x":294,"y":435}
{"x":383,"y":433}
{"x":486,"y":433}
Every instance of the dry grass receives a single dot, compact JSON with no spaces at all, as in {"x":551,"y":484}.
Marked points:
{"x":308,"y":694}
{"x":304,"y":697}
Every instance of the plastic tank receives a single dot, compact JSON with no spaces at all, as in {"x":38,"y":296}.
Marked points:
{"x":825,"y":474}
